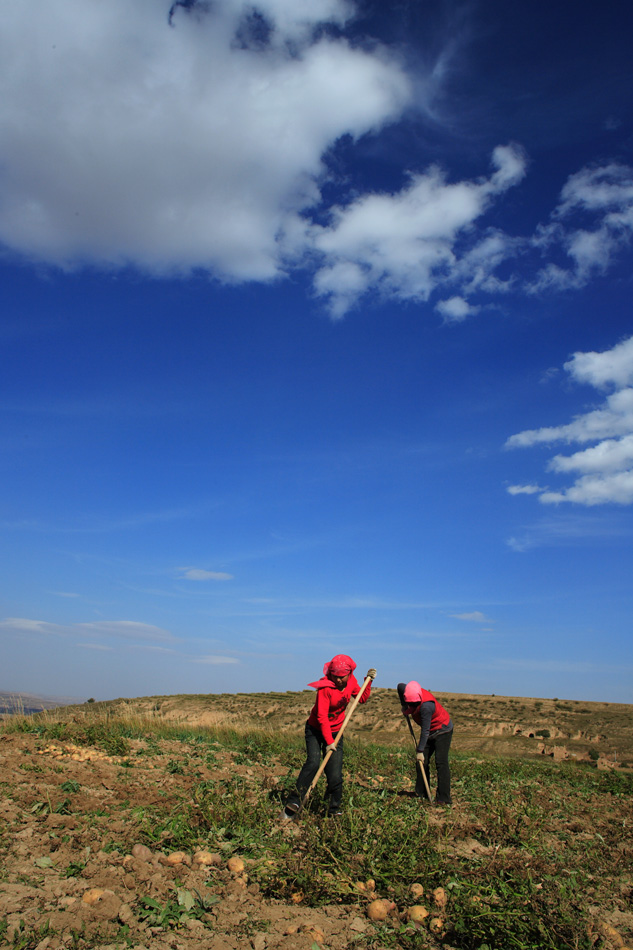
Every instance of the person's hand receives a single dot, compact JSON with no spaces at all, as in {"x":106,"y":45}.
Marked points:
{"x":371,"y":674}
{"x":331,"y":747}
{"x":420,"y":757}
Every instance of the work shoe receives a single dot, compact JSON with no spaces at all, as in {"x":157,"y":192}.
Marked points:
{"x":290,"y":811}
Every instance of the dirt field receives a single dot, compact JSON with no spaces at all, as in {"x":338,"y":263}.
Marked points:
{"x":74,"y":872}
{"x":75,"y":822}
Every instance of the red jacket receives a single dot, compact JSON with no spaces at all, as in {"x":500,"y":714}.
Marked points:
{"x":328,"y":711}
{"x":439,"y":718}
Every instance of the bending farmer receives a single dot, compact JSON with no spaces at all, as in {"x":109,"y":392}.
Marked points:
{"x":334,"y":691}
{"x":435,"y":736}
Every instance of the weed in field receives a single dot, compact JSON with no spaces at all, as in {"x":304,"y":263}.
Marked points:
{"x":27,"y":938}
{"x":188,"y":905}
{"x":74,"y":869}
{"x":113,"y":846}
{"x":70,"y":786}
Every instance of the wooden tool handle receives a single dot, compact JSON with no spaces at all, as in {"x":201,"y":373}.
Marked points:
{"x":326,"y":758}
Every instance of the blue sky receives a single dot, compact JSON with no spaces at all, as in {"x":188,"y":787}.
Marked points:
{"x":317,"y":337}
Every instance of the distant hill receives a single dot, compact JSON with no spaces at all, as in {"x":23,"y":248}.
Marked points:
{"x":503,"y":725}
{"x":506,"y":725}
{"x":12,"y":703}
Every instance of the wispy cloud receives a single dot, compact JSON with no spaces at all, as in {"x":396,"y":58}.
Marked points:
{"x":215,"y":660}
{"x":105,"y":524}
{"x":592,"y":223}
{"x":524,"y":489}
{"x":570,"y":531}
{"x":604,"y":471}
{"x":128,"y":630}
{"x":474,"y":616}
{"x":530,"y":665}
{"x":200,"y":574}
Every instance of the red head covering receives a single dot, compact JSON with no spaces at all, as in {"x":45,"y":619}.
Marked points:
{"x":340,"y":665}
{"x":413,"y":692}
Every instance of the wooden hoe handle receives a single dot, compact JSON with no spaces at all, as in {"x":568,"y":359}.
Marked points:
{"x":419,"y":767}
{"x":326,"y":757}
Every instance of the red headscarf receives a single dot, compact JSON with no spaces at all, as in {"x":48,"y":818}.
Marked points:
{"x":340,"y":665}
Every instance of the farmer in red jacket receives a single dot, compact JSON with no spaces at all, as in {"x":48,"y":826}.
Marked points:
{"x":436,"y":733}
{"x":334,"y":691}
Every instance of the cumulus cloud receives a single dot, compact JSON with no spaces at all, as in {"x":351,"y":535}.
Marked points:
{"x":591,"y":224}
{"x":176,"y":137}
{"x":403,"y":245}
{"x":604,"y":470}
{"x":199,"y":574}
{"x":455,"y":309}
{"x":180,"y":137}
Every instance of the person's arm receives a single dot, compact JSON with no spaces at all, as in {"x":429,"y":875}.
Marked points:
{"x":426,"y":714}
{"x":366,"y":692}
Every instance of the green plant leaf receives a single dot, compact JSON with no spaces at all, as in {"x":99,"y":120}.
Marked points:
{"x":185,"y":899}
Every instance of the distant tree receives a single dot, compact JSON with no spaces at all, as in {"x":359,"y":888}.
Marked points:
{"x":91,"y":700}
{"x":594,"y":755}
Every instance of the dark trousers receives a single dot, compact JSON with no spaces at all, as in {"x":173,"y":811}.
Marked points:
{"x":439,"y":746}
{"x":315,"y":749}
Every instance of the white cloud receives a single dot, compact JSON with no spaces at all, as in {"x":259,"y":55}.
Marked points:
{"x":118,"y":629}
{"x":612,"y":420}
{"x":195,"y":143}
{"x":199,"y":574}
{"x":611,"y":455}
{"x":600,"y":198}
{"x":605,"y":469}
{"x":571,"y":530}
{"x":124,"y":629}
{"x":216,"y":660}
{"x":524,"y":489}
{"x":475,"y":616}
{"x":614,"y":367}
{"x":23,"y":625}
{"x":455,"y":309}
{"x":403,"y":245}
{"x":596,"y":490}
{"x":194,"y":137}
